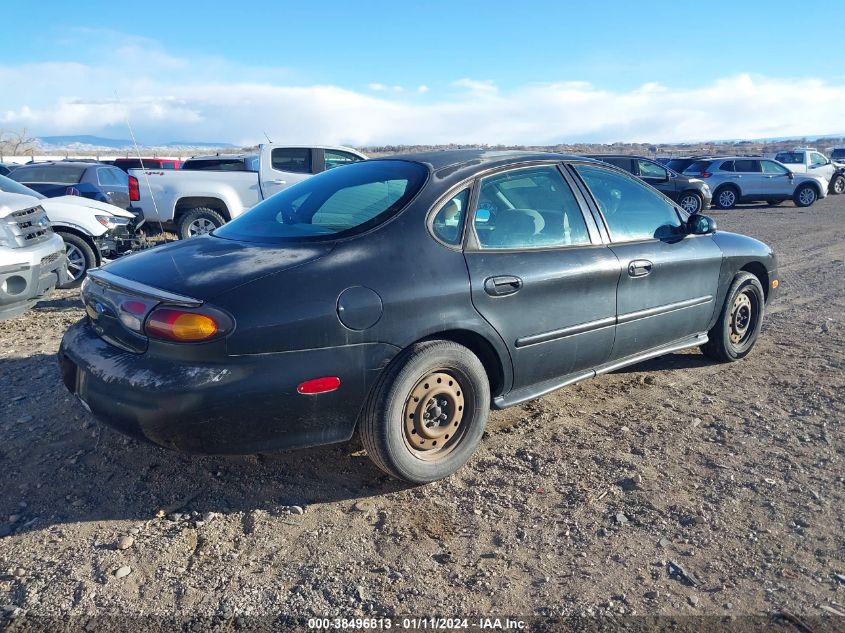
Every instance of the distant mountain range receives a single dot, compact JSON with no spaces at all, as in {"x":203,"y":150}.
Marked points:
{"x":90,"y":142}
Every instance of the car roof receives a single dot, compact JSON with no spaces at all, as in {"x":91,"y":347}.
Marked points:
{"x":65,"y":163}
{"x":474,"y":160}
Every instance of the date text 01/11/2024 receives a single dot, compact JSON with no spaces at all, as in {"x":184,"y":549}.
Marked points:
{"x":417,"y":624}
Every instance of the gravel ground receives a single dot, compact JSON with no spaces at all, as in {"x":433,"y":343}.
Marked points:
{"x":674,"y":487}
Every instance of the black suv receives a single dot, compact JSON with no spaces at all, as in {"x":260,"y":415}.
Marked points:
{"x":693,"y":194}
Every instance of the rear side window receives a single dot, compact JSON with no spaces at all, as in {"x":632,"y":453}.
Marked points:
{"x":727,"y":165}
{"x":528,"y":208}
{"x":292,"y":159}
{"x":790,"y":158}
{"x":632,"y":210}
{"x":449,"y":221}
{"x":108,"y":176}
{"x":58,"y":174}
{"x":747,"y":166}
{"x":335,"y":203}
{"x":679,"y":164}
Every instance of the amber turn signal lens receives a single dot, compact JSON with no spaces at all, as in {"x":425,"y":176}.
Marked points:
{"x":775,"y":283}
{"x":178,"y":325}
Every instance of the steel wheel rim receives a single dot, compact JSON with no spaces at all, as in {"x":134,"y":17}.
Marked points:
{"x":807,"y":196}
{"x":75,"y":261}
{"x":727,"y":198}
{"x":201,"y":226}
{"x":743,"y":319}
{"x":434,"y":415}
{"x":690,"y":204}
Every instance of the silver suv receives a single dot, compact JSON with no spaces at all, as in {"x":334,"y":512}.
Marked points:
{"x":736,"y":179}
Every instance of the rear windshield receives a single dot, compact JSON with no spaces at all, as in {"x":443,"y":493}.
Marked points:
{"x":697,"y":167}
{"x":222,"y":164}
{"x":333,"y":204}
{"x":7,"y":185}
{"x":790,"y":158}
{"x":59,"y":174}
{"x":679,"y":164}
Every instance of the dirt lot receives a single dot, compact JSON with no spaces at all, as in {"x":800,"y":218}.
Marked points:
{"x":575,"y":504}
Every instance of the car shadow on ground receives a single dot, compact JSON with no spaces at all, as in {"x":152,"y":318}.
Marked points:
{"x":66,"y":467}
{"x":669,"y":362}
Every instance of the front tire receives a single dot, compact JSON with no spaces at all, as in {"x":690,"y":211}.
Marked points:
{"x":427,"y":412}
{"x":727,"y":197}
{"x":805,"y":196}
{"x":738,"y":327}
{"x":80,"y":259}
{"x":198,"y":221}
{"x":837,"y":185}
{"x":691,"y":202}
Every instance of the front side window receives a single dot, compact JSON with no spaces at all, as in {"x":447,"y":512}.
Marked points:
{"x":335,"y":203}
{"x":633,"y":211}
{"x":449,"y":221}
{"x":336,"y":158}
{"x":293,"y":159}
{"x":651,"y":170}
{"x":771,"y":167}
{"x":528,"y":208}
{"x":817,"y":159}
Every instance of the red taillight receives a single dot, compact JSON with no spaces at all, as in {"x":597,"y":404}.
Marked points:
{"x":134,"y":189}
{"x":319,"y":385}
{"x":705,"y":174}
{"x":172,"y":324}
{"x":71,"y":191}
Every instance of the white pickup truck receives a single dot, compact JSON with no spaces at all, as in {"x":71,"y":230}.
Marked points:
{"x":209,"y":191}
{"x":806,"y":160}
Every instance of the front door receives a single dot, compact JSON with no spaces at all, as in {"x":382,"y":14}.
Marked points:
{"x":776,"y":179}
{"x":657,"y":176}
{"x":540,"y":275}
{"x":668,"y":279}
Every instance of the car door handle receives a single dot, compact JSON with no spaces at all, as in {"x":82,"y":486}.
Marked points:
{"x":503,"y":285}
{"x":639,"y":268}
{"x":279,"y":182}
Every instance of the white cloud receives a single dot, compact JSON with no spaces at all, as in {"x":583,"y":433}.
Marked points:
{"x":202,"y":98}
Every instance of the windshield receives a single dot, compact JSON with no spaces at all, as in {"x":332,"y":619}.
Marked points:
{"x":838,"y":154}
{"x":7,"y":185}
{"x":336,"y":203}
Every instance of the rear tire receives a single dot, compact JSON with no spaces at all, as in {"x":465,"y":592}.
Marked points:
{"x":198,"y":221}
{"x":435,"y":392}
{"x":80,"y":256}
{"x":837,"y":185}
{"x":738,"y":327}
{"x":805,"y":196}
{"x":726,"y":197}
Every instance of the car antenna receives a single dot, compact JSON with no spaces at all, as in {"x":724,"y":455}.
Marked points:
{"x":267,"y":136}
{"x":146,"y":176}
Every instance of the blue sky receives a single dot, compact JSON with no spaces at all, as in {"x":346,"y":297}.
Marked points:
{"x":382,"y":72}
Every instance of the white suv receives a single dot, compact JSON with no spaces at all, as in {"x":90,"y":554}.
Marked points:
{"x":32,"y":257}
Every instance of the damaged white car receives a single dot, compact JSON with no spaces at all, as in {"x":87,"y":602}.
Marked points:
{"x":92,"y":230}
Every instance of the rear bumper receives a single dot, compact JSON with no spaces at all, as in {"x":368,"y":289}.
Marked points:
{"x":239,"y":405}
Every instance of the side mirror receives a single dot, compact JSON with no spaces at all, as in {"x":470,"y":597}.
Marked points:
{"x":790,"y":175}
{"x":701,"y":224}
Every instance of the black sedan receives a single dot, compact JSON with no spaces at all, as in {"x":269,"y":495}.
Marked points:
{"x":403,"y":297}
{"x":93,"y":180}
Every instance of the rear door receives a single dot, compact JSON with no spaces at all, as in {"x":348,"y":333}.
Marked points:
{"x":114,"y":183}
{"x":540,"y":274}
{"x":750,"y":177}
{"x":668,"y":281}
{"x":282,"y":167}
